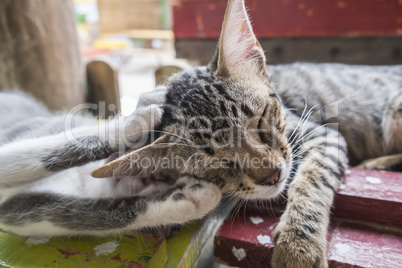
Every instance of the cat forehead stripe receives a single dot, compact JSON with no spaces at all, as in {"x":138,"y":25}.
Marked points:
{"x":247,"y":110}
{"x":223,"y":92}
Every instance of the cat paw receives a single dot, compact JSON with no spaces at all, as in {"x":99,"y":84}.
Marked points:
{"x":382,"y":163}
{"x":297,"y":250}
{"x":190,"y":199}
{"x":143,"y":120}
{"x":77,"y":153}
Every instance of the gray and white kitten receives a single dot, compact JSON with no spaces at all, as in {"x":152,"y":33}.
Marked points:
{"x":215,"y":118}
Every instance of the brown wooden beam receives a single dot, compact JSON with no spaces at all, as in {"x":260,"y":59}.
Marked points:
{"x":352,"y":50}
{"x":39,"y":51}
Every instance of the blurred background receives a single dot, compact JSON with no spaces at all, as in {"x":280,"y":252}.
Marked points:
{"x":67,"y":52}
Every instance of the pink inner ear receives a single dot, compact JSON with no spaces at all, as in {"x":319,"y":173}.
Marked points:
{"x":252,"y":53}
{"x":252,"y":49}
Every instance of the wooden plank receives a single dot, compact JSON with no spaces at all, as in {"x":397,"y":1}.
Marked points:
{"x":238,"y":240}
{"x":182,"y":2}
{"x":242,"y":243}
{"x":370,"y":200}
{"x":118,"y":15}
{"x":103,"y":88}
{"x":359,"y":245}
{"x":130,"y":250}
{"x":384,"y":50}
{"x":39,"y":51}
{"x":294,"y":18}
{"x":370,"y":195}
{"x":164,"y":72}
{"x":201,"y":242}
{"x":144,"y":34}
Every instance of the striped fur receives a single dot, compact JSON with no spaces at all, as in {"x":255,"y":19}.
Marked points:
{"x":300,"y":122}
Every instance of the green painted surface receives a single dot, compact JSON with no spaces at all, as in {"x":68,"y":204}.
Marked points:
{"x":179,"y":244}
{"x":134,"y":250}
{"x":129,"y":250}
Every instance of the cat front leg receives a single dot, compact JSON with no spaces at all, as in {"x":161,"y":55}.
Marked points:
{"x":47,"y":214}
{"x":84,"y":145}
{"x":191,"y":199}
{"x":29,"y":160}
{"x":300,"y":237}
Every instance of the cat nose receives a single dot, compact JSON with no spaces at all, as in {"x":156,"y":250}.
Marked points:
{"x":272,"y":179}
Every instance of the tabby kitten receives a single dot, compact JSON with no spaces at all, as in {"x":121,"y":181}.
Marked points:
{"x":224,"y":130}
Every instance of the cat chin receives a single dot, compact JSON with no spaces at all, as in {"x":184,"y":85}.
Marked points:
{"x":270,"y":192}
{"x":266,"y":192}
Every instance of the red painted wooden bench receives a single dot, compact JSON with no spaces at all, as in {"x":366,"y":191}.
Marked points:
{"x":366,"y":228}
{"x":348,"y":31}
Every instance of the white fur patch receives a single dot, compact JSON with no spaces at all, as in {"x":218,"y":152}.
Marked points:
{"x":156,"y":96}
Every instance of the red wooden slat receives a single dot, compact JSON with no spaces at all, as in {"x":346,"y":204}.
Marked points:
{"x":354,"y":245}
{"x":370,"y":195}
{"x":237,"y":242}
{"x":295,"y":18}
{"x":242,"y":243}
{"x":366,"y":195}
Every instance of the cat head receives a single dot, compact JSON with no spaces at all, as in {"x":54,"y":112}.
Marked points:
{"x":222,"y":123}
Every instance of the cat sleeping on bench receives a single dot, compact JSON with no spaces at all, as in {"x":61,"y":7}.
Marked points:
{"x":223,"y":129}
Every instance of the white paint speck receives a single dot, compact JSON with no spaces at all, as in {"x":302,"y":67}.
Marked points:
{"x":37,"y":240}
{"x":264,"y":239}
{"x":373,"y":180}
{"x":256,"y":220}
{"x":348,"y":171}
{"x":342,"y":186}
{"x":239,"y":253}
{"x":342,"y":248}
{"x":106,"y":248}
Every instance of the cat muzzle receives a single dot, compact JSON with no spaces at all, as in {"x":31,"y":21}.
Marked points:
{"x":272,"y":179}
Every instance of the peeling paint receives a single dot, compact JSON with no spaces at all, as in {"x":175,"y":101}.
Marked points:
{"x":256,"y":220}
{"x":106,"y":248}
{"x":302,"y":6}
{"x":239,"y":253}
{"x":373,"y":180}
{"x":37,"y":240}
{"x":264,"y":239}
{"x":390,"y":240}
{"x":342,"y":248}
{"x":212,"y":7}
{"x":341,"y":4}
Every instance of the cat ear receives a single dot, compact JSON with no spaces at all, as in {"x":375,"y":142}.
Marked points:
{"x":137,"y":162}
{"x":238,"y":51}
